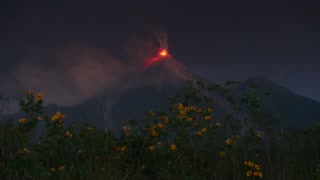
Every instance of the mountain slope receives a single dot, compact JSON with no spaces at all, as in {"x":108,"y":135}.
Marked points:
{"x":282,"y":104}
{"x":150,"y":88}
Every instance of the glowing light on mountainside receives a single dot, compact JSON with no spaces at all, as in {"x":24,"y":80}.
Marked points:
{"x":162,"y":54}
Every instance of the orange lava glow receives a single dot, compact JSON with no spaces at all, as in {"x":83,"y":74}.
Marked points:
{"x":162,"y":54}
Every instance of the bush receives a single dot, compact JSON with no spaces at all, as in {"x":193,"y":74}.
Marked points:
{"x":185,"y":142}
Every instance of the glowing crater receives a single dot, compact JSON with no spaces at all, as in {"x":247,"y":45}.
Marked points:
{"x":162,"y":54}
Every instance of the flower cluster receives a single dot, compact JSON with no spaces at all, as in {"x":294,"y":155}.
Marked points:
{"x":256,"y":171}
{"x":58,"y":117}
{"x":165,"y":119}
{"x":68,"y":134}
{"x":22,"y":120}
{"x":154,"y":131}
{"x":60,"y":168}
{"x":120,"y":148}
{"x":202,"y":132}
{"x":183,"y":111}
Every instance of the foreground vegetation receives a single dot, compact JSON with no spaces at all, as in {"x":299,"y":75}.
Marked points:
{"x":184,"y":142}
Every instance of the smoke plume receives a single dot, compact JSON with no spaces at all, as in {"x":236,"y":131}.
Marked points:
{"x":70,"y":73}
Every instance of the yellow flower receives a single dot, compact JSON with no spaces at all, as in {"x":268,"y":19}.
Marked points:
{"x":257,"y":167}
{"x":182,"y":112}
{"x":126,"y":128}
{"x":58,"y":116}
{"x":61,"y":168}
{"x":68,"y":134}
{"x":151,"y":148}
{"x":54,"y":118}
{"x":229,"y":141}
{"x":245,"y":163}
{"x":207,"y":118}
{"x":199,"y":133}
{"x":249,"y":173}
{"x":218,"y":124}
{"x":159,"y":144}
{"x":173,"y":147}
{"x":204,"y":130}
{"x":52,"y":169}
{"x":39,"y":96}
{"x":191,"y":108}
{"x":90,"y":128}
{"x":154,"y":133}
{"x":189,"y":119}
{"x":180,"y":106}
{"x":221,"y":153}
{"x":259,"y":174}
{"x":123,"y":148}
{"x":165,"y":119}
{"x":22,"y":120}
{"x":29,"y":92}
{"x":250,"y":164}
{"x":39,"y":118}
{"x":159,"y":125}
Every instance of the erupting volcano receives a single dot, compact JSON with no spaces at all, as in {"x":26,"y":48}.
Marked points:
{"x":161,"y":55}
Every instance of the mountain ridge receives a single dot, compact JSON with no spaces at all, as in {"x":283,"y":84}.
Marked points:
{"x":149,"y":89}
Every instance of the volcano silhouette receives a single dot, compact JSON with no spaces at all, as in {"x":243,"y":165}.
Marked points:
{"x":150,"y":88}
{"x":146,"y":90}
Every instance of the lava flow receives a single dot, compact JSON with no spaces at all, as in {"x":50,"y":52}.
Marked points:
{"x":162,"y":54}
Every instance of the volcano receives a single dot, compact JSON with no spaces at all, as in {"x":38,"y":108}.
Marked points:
{"x":150,"y":88}
{"x":146,"y":90}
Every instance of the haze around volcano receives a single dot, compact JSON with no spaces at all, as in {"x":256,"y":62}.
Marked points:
{"x":69,"y":73}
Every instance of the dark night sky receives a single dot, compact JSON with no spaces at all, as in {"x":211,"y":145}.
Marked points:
{"x":220,"y":40}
